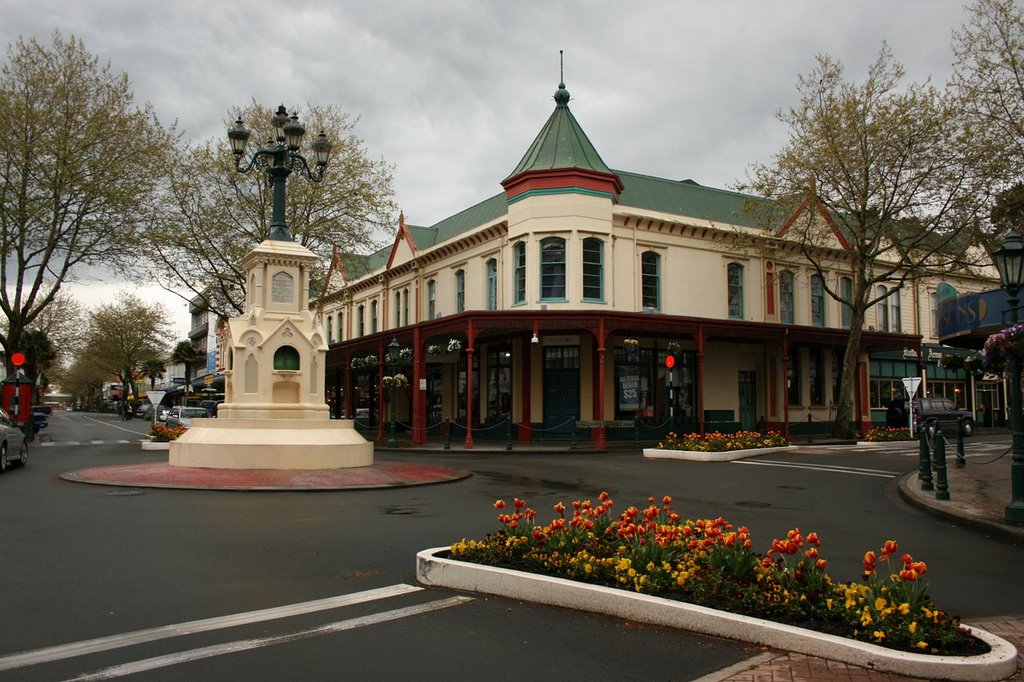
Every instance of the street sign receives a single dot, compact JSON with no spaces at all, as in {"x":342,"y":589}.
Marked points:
{"x":178,"y":381}
{"x":911,"y":384}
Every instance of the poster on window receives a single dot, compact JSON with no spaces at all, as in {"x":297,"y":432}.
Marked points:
{"x":629,"y":392}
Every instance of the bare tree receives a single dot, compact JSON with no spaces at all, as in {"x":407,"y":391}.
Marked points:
{"x":78,"y":167}
{"x":872,"y":183}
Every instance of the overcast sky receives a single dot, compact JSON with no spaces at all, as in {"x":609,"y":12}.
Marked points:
{"x":452,"y":92}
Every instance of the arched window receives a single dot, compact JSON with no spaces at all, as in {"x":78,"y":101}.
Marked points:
{"x":786,"y":313}
{"x":431,"y":299}
{"x":398,"y":309}
{"x":286,"y":358}
{"x":846,"y":295}
{"x":460,"y":291}
{"x":330,"y":329}
{"x":817,"y":301}
{"x":882,"y":309}
{"x":735,"y":279}
{"x":492,"y":284}
{"x":552,"y":269}
{"x":650,"y":281}
{"x":593,"y":269}
{"x":895,"y":313}
{"x":519,"y":260}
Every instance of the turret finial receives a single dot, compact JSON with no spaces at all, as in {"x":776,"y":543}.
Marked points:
{"x":561,"y":94}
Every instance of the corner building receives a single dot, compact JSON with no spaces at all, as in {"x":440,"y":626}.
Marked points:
{"x":549,"y":309}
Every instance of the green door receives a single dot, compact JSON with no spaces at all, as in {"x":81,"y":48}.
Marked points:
{"x":561,"y":388}
{"x":748,"y":400}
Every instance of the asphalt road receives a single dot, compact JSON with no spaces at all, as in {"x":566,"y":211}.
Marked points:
{"x":81,"y":562}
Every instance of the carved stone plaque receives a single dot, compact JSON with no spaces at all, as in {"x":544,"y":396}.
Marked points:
{"x":282,"y":288}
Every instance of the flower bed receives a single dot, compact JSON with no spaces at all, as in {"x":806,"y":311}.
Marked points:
{"x":884,"y":434}
{"x":165,"y":434}
{"x":710,"y":563}
{"x":717,"y":447}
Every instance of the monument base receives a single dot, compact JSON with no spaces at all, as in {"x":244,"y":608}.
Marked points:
{"x":271,"y":444}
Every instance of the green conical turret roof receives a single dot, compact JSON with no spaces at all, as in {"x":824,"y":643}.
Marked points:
{"x":561,"y":143}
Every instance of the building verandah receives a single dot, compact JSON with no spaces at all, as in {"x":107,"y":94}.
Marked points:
{"x":529,"y":375}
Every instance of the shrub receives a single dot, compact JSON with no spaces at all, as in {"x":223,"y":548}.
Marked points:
{"x":721,"y":442}
{"x":164,"y":434}
{"x":888,"y":433}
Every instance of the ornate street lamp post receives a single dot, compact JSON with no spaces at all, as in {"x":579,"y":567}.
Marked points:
{"x":394,"y":348}
{"x":279,"y":158}
{"x":1009,"y":260}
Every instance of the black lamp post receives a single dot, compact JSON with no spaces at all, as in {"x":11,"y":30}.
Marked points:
{"x":394,"y":348}
{"x":279,"y":158}
{"x":1009,"y":260}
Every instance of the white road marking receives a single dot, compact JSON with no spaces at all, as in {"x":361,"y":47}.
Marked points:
{"x":90,"y":646}
{"x":830,"y":468}
{"x":247,"y":644}
{"x":113,"y":426}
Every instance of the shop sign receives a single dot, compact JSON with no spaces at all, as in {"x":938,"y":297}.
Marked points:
{"x":629,"y":392}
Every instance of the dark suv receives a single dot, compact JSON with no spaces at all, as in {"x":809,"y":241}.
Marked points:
{"x":945,"y":412}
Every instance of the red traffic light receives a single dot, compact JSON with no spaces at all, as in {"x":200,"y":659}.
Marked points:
{"x":670,"y":361}
{"x":17,"y":359}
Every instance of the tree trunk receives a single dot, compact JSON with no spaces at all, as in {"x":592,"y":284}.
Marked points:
{"x":844,"y":425}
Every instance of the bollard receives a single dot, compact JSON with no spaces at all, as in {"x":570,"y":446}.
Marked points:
{"x":924,"y":472}
{"x":447,"y":434}
{"x":508,"y":432}
{"x":961,"y":458}
{"x":941,"y":483}
{"x":810,"y":439}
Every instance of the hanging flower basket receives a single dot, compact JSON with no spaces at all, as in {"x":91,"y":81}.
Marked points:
{"x":1000,"y":345}
{"x":397,"y":381}
{"x":444,"y":352}
{"x":365,"y":362}
{"x":405,"y":354}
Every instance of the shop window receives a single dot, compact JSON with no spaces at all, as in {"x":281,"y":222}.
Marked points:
{"x":885,"y":390}
{"x":650,"y":281}
{"x":793,"y":379}
{"x":817,"y":301}
{"x":816,"y":377}
{"x":552,"y":269}
{"x":519,"y":258}
{"x":786,"y":285}
{"x":460,"y":291}
{"x":499,"y":382}
{"x":593,"y":269}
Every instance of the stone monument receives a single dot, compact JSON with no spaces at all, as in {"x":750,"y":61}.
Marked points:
{"x":274,"y":415}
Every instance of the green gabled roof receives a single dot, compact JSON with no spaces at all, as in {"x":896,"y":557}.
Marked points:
{"x":482,"y":213}
{"x":684,"y":198}
{"x":561,"y":143}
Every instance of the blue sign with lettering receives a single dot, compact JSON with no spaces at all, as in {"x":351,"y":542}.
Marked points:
{"x":970,"y":312}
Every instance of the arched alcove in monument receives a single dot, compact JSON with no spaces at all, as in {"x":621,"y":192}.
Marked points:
{"x":286,"y":392}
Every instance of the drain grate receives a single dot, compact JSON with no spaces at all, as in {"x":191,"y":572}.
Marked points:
{"x":131,"y":492}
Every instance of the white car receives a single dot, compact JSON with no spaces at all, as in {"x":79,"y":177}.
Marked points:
{"x":13,"y":447}
{"x":183,"y":416}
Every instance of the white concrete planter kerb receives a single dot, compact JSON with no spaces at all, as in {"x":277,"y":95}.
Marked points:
{"x":153,"y":445}
{"x":724,"y":456}
{"x":433,"y":569}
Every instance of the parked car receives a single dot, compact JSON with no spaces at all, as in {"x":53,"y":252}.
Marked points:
{"x":45,"y":409}
{"x":13,"y":448}
{"x":161,"y":412}
{"x":143,"y":410}
{"x":39,"y":420}
{"x":210,"y":406}
{"x":183,"y":416}
{"x":945,"y":412}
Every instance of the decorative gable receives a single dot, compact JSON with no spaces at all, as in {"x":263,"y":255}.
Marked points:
{"x":404,"y":248}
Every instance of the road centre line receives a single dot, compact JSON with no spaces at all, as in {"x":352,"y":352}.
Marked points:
{"x":114,"y":426}
{"x":90,"y":646}
{"x":820,"y":467}
{"x":248,"y":644}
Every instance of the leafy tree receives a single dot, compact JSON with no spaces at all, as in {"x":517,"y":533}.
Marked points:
{"x":878,"y":164}
{"x":186,"y":354}
{"x":214,"y":215}
{"x":84,"y":381}
{"x":154,"y":369}
{"x":988,"y":81}
{"x":40,"y":354}
{"x":78,"y":168}
{"x":121,"y":337}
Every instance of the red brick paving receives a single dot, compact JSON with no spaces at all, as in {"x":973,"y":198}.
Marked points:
{"x":163,"y":475}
